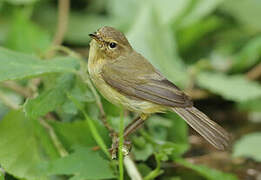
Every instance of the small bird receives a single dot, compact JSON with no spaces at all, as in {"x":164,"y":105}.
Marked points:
{"x":125,"y":78}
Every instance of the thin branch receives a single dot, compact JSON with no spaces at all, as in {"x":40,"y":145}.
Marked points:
{"x":131,"y":168}
{"x":62,"y":151}
{"x":254,"y":73}
{"x":24,"y":91}
{"x":6,"y":101}
{"x":63,"y":12}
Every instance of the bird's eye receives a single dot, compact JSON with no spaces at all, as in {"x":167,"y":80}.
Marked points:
{"x":112,"y":45}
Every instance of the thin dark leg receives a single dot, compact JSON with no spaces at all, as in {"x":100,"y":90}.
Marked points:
{"x":133,"y":121}
{"x":133,"y":126}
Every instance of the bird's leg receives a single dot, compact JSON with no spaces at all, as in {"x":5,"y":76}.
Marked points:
{"x":132,"y":127}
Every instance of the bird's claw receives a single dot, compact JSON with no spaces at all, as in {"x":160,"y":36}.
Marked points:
{"x":115,"y":146}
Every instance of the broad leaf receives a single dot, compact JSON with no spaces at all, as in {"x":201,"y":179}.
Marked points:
{"x":50,"y":99}
{"x":208,"y":173}
{"x":21,"y":2}
{"x":156,"y":43}
{"x":199,"y":10}
{"x":33,"y":38}
{"x":245,"y":11}
{"x":178,"y":7}
{"x":236,"y":88}
{"x":2,"y":175}
{"x":248,"y":56}
{"x":84,"y":163}
{"x":78,"y":133}
{"x":19,"y":147}
{"x":249,"y":146}
{"x":251,"y":105}
{"x":15,"y":65}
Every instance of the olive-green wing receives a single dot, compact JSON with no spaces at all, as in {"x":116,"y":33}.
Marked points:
{"x":139,"y":79}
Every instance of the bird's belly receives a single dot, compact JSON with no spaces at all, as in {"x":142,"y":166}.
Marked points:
{"x":119,"y":99}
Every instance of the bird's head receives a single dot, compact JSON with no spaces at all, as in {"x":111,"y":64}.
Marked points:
{"x":109,"y":43}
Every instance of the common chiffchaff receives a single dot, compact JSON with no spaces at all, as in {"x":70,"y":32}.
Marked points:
{"x":126,"y":78}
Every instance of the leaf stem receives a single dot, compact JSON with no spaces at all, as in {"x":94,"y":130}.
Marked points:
{"x":156,"y":172}
{"x":6,"y":101}
{"x":62,"y":151}
{"x":92,"y":127}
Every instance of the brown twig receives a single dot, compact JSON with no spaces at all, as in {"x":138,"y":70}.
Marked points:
{"x":63,"y":12}
{"x":24,"y":91}
{"x":254,"y":73}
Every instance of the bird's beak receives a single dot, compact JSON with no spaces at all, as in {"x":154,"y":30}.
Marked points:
{"x":96,"y":37}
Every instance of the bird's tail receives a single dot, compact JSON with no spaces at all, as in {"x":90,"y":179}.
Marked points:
{"x":207,"y":128}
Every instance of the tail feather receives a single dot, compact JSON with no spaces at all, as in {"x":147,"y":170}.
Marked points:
{"x":207,"y":128}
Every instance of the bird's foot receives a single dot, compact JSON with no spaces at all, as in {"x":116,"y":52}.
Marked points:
{"x":115,"y":146}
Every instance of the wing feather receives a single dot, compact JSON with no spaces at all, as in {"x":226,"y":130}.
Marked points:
{"x":146,"y":84}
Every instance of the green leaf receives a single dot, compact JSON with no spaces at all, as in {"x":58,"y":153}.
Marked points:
{"x":2,"y":175}
{"x":248,"y":56}
{"x":199,"y":10}
{"x":249,"y":146}
{"x":19,"y":147}
{"x":84,"y":163}
{"x":14,"y":65}
{"x":92,"y":127}
{"x":190,"y":35}
{"x":50,"y":99}
{"x":159,"y":50}
{"x":245,"y":11}
{"x":235,"y":88}
{"x":124,"y":11}
{"x":251,"y":105}
{"x":208,"y":173}
{"x":178,"y":131}
{"x":21,"y":2}
{"x":177,"y":9}
{"x":142,"y":154}
{"x":33,"y":38}
{"x":78,"y":133}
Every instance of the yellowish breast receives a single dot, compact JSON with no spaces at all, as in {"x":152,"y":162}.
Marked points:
{"x":95,"y":65}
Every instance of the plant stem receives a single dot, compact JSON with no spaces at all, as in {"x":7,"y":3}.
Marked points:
{"x":92,"y":127}
{"x":6,"y":101}
{"x":121,"y":131}
{"x":156,"y":172}
{"x":62,"y":151}
{"x":63,"y":13}
{"x":131,"y":168}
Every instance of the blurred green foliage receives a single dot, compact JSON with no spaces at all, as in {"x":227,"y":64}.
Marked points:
{"x":197,"y":44}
